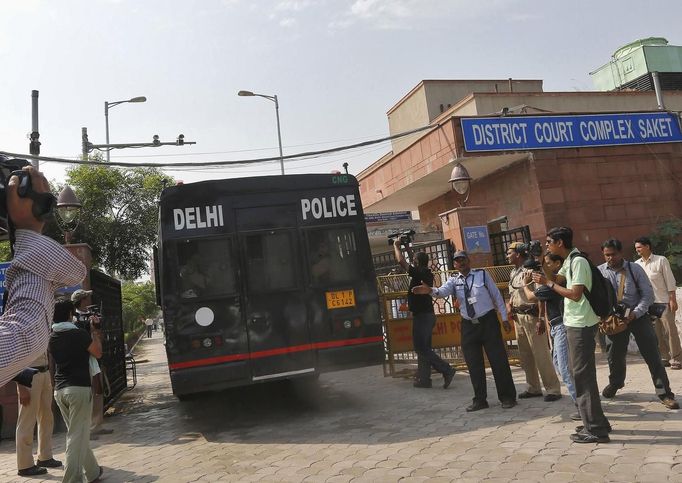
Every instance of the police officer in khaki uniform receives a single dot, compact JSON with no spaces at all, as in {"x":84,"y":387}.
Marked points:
{"x":530,"y":332}
{"x":35,"y":405}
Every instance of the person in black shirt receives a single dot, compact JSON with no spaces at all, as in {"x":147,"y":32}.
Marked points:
{"x":423,"y":320}
{"x":71,"y":348}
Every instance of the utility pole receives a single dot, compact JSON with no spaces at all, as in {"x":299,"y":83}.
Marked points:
{"x":84,"y":139}
{"x":34,"y":146}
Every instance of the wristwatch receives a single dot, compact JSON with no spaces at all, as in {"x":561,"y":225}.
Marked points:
{"x":550,"y":286}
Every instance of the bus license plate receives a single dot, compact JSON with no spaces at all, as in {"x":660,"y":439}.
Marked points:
{"x":340,"y":298}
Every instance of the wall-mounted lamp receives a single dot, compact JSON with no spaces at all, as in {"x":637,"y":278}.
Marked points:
{"x":461,"y":183}
{"x":68,"y":211}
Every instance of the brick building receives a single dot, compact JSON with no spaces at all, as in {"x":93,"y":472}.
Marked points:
{"x":608,"y":185}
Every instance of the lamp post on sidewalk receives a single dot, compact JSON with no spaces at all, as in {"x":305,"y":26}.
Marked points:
{"x":279,"y":134}
{"x":108,"y":105}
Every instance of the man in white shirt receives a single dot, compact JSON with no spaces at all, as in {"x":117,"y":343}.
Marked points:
{"x":657,"y":268}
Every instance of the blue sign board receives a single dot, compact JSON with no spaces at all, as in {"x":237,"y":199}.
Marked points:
{"x":551,"y":132}
{"x":388,"y":216}
{"x":476,"y":239}
{"x":3,"y":270}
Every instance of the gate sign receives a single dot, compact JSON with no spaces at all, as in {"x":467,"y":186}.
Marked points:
{"x":476,"y":239}
{"x":551,"y":132}
{"x":3,"y":268}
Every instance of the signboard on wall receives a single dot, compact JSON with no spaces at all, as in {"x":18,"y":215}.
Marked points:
{"x":476,"y":239}
{"x":3,"y":271}
{"x":552,"y":132}
{"x":388,"y":216}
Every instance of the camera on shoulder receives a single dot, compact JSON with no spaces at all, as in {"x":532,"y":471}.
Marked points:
{"x":404,"y":236}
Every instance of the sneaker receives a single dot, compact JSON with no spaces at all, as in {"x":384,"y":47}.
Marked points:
{"x":528,"y":395}
{"x":51,"y":463}
{"x":423,"y":384}
{"x":665,"y":363}
{"x":676,"y":366}
{"x":447,"y":378}
{"x":32,"y":471}
{"x":581,"y":429}
{"x":670,"y":403}
{"x":552,"y":397}
{"x":585,"y":437}
{"x":609,"y":391}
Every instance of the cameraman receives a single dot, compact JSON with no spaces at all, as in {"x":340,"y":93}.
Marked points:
{"x":530,"y":331}
{"x":40,"y":266}
{"x":637,"y":298}
{"x":85,"y":319}
{"x":423,"y":319}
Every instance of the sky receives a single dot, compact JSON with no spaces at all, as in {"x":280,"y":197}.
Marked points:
{"x":337,"y":67}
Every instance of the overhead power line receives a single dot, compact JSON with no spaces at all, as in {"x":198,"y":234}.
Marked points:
{"x":290,"y":157}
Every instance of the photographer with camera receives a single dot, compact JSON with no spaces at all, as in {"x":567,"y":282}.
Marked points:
{"x":71,"y":348}
{"x":530,"y":330}
{"x":87,"y":316}
{"x":40,"y":266}
{"x":633,"y":305}
{"x":423,"y":317}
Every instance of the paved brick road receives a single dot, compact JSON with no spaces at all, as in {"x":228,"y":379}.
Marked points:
{"x":359,"y":426}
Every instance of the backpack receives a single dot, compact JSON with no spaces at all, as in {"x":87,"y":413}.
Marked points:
{"x":602,"y":297}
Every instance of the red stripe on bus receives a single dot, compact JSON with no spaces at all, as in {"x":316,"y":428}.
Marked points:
{"x":275,"y":352}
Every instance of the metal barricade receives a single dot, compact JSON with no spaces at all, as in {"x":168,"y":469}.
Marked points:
{"x":446,"y":342}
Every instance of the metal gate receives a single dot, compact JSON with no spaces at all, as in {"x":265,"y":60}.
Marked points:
{"x":106,"y":293}
{"x":500,"y":241}
{"x":440,"y":255}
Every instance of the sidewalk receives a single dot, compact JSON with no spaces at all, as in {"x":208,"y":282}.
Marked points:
{"x":360,"y":426}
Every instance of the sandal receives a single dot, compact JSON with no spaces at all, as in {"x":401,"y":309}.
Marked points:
{"x":676,"y":366}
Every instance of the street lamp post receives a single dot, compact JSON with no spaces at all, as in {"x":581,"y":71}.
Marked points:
{"x":108,"y":105}
{"x":68,"y":211}
{"x":279,"y":133}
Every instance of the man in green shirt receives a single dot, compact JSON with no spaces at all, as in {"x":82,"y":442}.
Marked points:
{"x":581,"y":328}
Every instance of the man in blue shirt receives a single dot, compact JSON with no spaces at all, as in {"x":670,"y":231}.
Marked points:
{"x":637,"y":298}
{"x":478,"y":296}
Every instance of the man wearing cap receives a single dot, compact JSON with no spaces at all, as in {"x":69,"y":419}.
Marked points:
{"x":478,"y":296}
{"x":530,"y":331}
{"x":84,"y":320}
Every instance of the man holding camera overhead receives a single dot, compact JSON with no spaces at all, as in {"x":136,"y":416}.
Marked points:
{"x":530,"y":330}
{"x":636,"y":298}
{"x":423,"y":319}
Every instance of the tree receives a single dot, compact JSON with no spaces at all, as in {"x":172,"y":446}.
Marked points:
{"x":139,"y":301}
{"x":119,"y":218}
{"x":667,"y":240}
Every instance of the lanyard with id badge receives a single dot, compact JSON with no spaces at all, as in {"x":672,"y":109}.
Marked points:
{"x":470,"y":299}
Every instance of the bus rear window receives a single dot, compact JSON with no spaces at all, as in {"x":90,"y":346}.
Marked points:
{"x":206,"y":268}
{"x":333,"y":255}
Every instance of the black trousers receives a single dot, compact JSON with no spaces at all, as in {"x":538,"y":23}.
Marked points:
{"x":422,"y":331}
{"x":581,"y":345}
{"x":487,"y":335}
{"x":645,"y":336}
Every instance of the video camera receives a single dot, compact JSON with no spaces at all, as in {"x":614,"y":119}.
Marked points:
{"x":534,"y":250}
{"x":95,"y":310}
{"x":7,"y":167}
{"x":405,"y":237}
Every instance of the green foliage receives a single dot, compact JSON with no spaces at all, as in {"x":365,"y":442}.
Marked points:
{"x":5,"y":252}
{"x":119,"y":218}
{"x":667,"y":241}
{"x":139,"y":302}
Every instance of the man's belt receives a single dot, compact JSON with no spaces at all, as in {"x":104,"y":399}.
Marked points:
{"x":41,"y":368}
{"x":477,"y":320}
{"x":526,"y":309}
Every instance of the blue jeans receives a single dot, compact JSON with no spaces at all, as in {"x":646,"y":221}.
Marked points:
{"x":560,"y":356}
{"x":422,"y":330}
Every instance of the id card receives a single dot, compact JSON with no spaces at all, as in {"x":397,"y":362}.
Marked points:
{"x":471,"y":300}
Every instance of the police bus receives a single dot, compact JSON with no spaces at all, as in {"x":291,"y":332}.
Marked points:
{"x":265,"y":278}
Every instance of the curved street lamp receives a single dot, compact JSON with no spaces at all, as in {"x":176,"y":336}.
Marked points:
{"x":68,"y":211}
{"x":460,"y":181}
{"x":108,"y":105}
{"x":279,"y":134}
